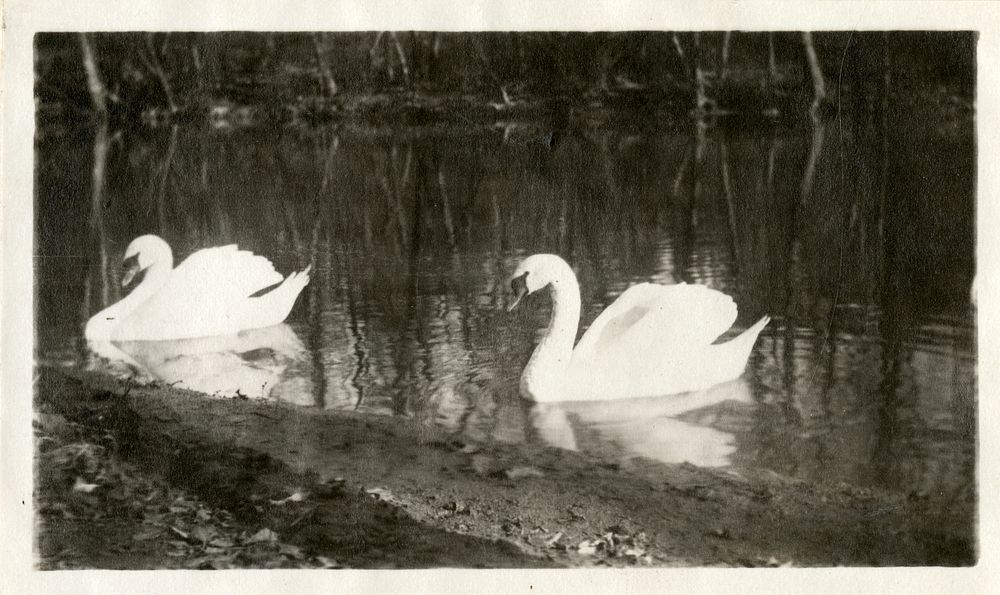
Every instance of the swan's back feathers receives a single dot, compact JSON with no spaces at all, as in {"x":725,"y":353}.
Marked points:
{"x":664,"y":319}
{"x":224,"y":270}
{"x":209,"y":294}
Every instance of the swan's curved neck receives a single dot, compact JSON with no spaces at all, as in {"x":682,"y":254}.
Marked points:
{"x":101,"y":325}
{"x":153,"y":279}
{"x":556,"y":346}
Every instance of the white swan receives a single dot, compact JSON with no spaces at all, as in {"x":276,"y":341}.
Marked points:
{"x":653,"y":340}
{"x":209,"y":293}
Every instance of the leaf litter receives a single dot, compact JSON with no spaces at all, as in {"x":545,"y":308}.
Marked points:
{"x":80,"y":479}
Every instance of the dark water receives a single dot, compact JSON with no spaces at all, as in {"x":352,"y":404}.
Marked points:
{"x":856,"y":237}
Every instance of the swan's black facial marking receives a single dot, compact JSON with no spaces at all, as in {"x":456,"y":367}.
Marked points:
{"x":130,"y":268}
{"x":520,"y":282}
{"x":519,"y":285}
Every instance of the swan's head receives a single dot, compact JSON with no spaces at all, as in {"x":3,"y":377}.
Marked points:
{"x":142,"y":253}
{"x":537,"y":272}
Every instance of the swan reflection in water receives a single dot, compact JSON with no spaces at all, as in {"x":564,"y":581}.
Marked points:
{"x":645,"y":427}
{"x":252,"y":363}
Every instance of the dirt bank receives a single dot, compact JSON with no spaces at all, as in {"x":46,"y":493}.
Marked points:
{"x":372,"y":491}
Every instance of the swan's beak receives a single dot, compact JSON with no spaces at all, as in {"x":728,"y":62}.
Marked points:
{"x":519,"y":285}
{"x":130,"y":268}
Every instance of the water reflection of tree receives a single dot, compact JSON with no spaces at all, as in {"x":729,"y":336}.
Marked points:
{"x":98,"y":233}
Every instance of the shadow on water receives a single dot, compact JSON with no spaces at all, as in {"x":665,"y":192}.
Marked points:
{"x":866,"y":375}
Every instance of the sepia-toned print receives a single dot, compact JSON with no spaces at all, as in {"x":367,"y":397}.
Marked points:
{"x":396,"y":299}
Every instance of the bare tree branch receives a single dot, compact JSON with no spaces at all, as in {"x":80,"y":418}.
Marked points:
{"x":772,"y":64}
{"x":328,"y":82}
{"x":152,"y":62}
{"x":403,"y":64}
{"x":819,"y":83}
{"x":726,"y":40}
{"x":98,"y":92}
{"x":702,"y":100}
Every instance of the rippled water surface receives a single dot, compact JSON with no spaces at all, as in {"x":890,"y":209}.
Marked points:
{"x":856,"y":237}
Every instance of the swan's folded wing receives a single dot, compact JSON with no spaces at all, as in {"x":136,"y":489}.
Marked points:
{"x":662,"y":318}
{"x":210,"y":285}
{"x":223,"y":272}
{"x":207,"y":294}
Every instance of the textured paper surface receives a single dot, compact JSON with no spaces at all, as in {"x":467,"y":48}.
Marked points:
{"x":22,"y":18}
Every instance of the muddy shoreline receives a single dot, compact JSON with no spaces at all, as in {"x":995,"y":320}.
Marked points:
{"x":386,"y":492}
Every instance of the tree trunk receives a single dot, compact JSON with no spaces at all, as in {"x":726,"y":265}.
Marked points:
{"x":98,"y":207}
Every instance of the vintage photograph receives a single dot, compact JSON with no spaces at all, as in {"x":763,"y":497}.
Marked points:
{"x":505,"y":299}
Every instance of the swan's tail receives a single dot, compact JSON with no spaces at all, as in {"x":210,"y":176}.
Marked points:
{"x":302,"y":277}
{"x":294,"y":285}
{"x":749,"y":336}
{"x":738,"y":350}
{"x":274,"y":306}
{"x":757,"y":327}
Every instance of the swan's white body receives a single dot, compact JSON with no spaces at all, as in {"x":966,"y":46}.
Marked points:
{"x":653,"y":340}
{"x":208,"y":294}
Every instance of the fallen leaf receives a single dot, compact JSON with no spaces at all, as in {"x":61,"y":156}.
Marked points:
{"x":522,"y":472}
{"x":720,"y":533}
{"x":221,"y":542}
{"x":147,"y":534}
{"x":296,"y":496}
{"x":180,"y":533}
{"x":179,"y":545}
{"x":325,"y":562}
{"x":292,"y":551}
{"x":200,"y":535}
{"x":209,"y":563}
{"x":263,"y":536}
{"x":82,"y":486}
{"x":384,"y":495}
